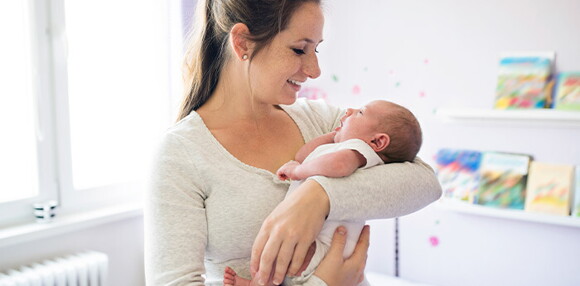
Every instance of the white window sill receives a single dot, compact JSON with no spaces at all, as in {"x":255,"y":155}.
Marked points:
{"x":68,"y":223}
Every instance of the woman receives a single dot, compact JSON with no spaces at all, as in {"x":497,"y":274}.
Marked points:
{"x":215,"y":200}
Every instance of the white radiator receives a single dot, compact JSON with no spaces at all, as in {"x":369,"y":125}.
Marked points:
{"x":82,"y":269}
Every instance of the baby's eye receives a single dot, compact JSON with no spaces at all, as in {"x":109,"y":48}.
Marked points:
{"x":298,"y":51}
{"x":360,"y":112}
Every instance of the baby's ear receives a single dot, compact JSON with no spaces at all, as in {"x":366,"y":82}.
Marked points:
{"x":380,"y":141}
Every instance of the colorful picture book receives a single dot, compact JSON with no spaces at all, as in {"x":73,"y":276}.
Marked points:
{"x":503,"y":179}
{"x":576,"y":195}
{"x":568,"y":91}
{"x":458,"y":173}
{"x":549,"y":188}
{"x":522,"y":80}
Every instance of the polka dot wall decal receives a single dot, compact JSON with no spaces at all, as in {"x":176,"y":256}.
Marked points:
{"x":312,"y":93}
{"x":356,"y":89}
{"x":421,"y":94}
{"x":434,"y":241}
{"x":335,"y":78}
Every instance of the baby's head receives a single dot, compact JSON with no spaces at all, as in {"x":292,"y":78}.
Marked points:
{"x":390,"y":129}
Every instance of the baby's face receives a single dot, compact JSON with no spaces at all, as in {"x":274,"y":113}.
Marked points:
{"x":361,"y":123}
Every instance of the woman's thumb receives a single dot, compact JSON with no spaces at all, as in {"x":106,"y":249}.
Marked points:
{"x":338,"y":241}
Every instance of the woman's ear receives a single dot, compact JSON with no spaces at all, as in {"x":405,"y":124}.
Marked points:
{"x":240,"y":42}
{"x":380,"y":141}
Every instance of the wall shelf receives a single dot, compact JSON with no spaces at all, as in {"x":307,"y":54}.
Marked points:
{"x":529,"y":116}
{"x":512,"y":214}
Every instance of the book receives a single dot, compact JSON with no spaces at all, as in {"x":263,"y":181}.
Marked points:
{"x":549,"y":188}
{"x":568,"y":91}
{"x":502,"y":180}
{"x":576,"y":194}
{"x":458,"y":173}
{"x":523,"y":79}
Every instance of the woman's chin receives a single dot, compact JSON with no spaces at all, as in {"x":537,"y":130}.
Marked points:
{"x":289,"y":99}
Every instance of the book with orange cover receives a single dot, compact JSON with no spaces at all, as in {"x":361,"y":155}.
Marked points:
{"x":568,"y":91}
{"x":549,"y":188}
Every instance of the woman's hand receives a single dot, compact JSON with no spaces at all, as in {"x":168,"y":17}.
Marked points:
{"x":288,"y":232}
{"x":335,"y":270}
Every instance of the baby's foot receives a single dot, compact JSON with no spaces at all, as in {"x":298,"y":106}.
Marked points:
{"x":231,"y":278}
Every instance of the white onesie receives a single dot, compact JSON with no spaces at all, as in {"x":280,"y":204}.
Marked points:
{"x":353,"y":227}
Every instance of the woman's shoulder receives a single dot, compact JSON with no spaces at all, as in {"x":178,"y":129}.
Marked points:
{"x":189,"y":131}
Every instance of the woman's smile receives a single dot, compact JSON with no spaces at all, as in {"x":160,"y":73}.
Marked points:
{"x":295,"y":84}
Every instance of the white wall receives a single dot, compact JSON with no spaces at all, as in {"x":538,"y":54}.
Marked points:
{"x":122,"y":241}
{"x":428,"y":54}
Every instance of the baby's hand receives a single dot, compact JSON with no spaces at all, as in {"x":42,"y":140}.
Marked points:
{"x":287,"y":171}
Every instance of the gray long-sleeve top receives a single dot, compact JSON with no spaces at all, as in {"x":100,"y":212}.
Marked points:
{"x":205,"y":207}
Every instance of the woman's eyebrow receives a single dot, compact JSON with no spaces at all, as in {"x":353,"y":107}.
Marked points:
{"x":308,"y":40}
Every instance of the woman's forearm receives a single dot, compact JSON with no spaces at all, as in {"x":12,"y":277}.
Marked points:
{"x":385,"y":191}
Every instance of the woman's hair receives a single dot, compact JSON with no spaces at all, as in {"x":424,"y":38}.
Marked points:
{"x":207,"y":47}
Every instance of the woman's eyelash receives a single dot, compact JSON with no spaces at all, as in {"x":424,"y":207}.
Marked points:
{"x":299,"y":51}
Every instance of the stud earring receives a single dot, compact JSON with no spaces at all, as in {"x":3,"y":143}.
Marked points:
{"x":244,"y":57}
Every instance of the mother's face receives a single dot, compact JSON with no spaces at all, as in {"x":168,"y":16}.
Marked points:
{"x":290,"y":59}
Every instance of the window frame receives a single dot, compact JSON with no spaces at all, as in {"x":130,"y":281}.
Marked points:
{"x":18,"y":211}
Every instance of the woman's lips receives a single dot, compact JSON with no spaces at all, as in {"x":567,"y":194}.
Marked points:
{"x":294,"y":86}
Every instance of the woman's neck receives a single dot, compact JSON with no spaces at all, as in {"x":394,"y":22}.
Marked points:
{"x":232,"y":98}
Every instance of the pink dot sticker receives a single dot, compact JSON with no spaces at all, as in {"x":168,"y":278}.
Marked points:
{"x":434,"y":241}
{"x":356,"y":89}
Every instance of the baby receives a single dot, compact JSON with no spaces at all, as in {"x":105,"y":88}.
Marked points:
{"x":380,"y":132}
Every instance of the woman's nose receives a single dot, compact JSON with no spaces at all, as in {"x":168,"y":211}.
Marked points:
{"x":311,"y":67}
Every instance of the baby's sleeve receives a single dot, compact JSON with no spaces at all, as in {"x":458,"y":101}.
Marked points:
{"x":372,"y":158}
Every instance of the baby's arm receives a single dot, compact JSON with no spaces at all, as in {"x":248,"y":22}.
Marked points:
{"x":305,"y":150}
{"x":334,"y":165}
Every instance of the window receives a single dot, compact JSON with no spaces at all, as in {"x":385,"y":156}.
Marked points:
{"x":84,"y":97}
{"x":18,"y":152}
